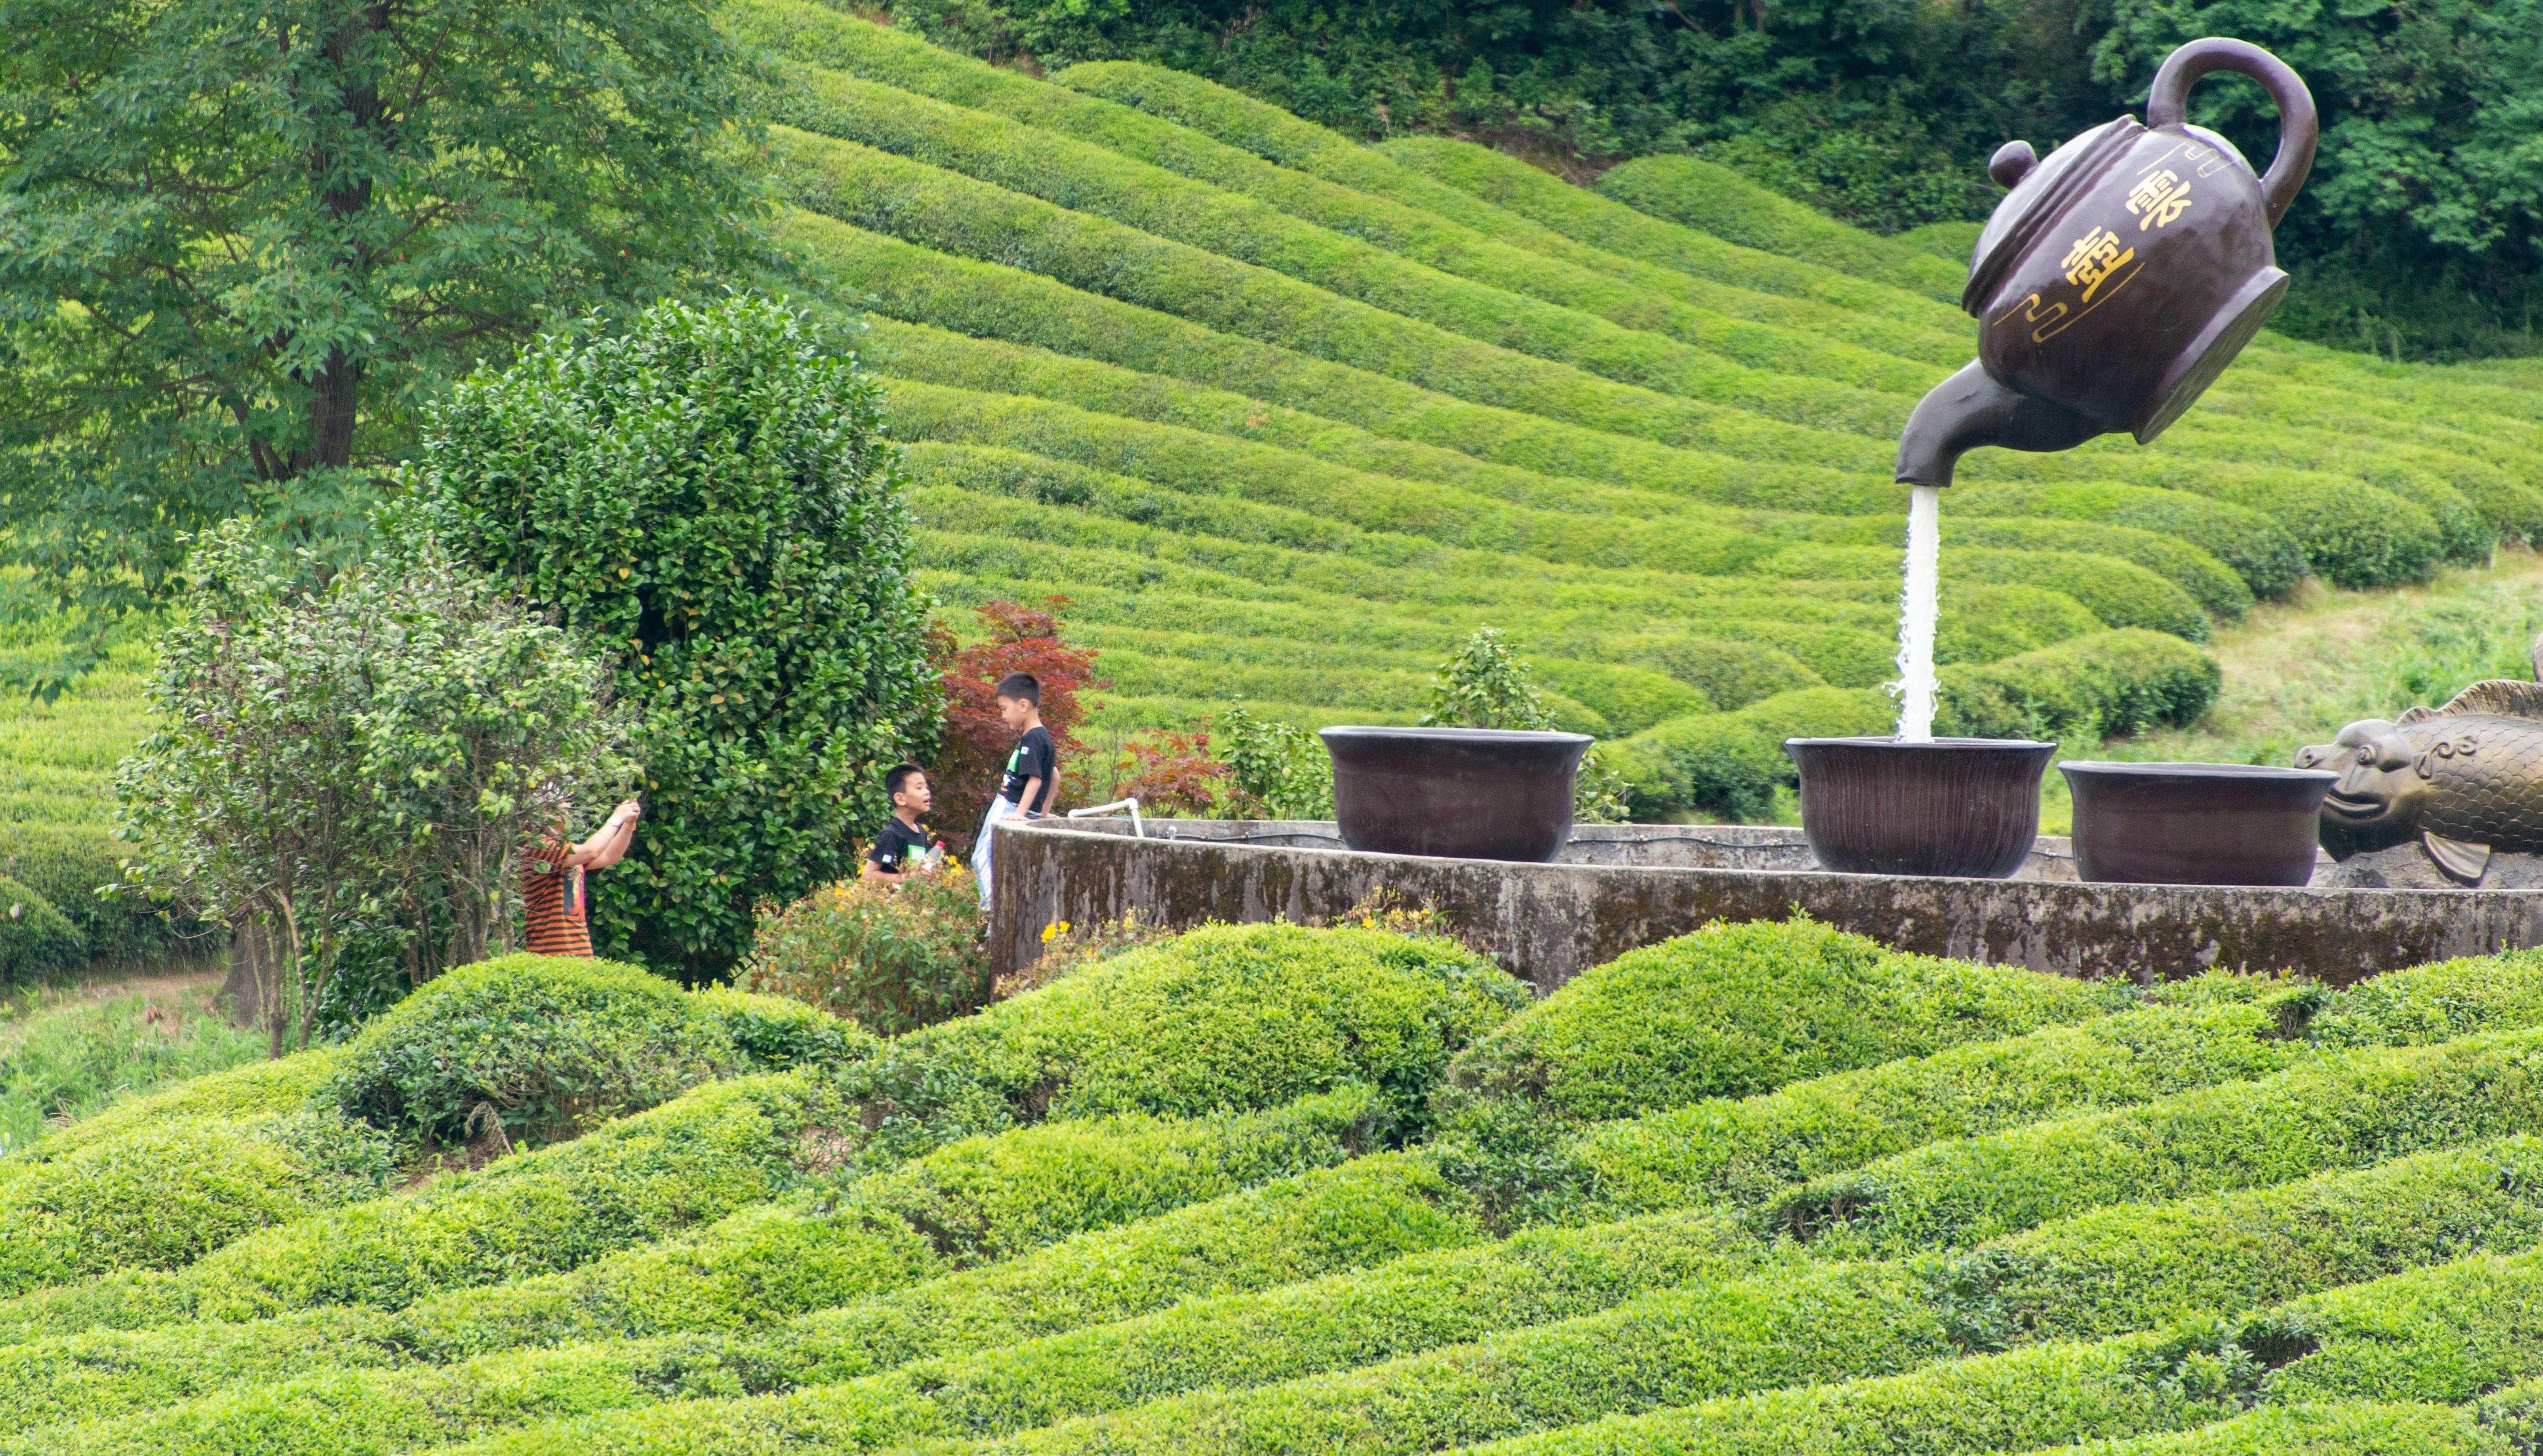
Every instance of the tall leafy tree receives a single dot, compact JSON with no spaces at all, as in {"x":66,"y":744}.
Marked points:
{"x":710,"y":497}
{"x":241,"y":240}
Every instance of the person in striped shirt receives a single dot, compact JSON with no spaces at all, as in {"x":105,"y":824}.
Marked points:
{"x":553,"y":901}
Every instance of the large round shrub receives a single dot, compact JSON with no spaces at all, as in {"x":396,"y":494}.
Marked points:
{"x":710,"y":497}
{"x":548,"y":1046}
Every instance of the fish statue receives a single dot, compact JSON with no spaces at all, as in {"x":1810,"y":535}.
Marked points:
{"x":2466,"y":779}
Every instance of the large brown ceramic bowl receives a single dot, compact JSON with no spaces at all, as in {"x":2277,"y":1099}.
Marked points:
{"x":1468,"y":794}
{"x":1963,"y":806}
{"x":2195,"y":823}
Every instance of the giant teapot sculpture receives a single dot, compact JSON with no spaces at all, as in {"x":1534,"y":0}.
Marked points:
{"x":2118,"y":277}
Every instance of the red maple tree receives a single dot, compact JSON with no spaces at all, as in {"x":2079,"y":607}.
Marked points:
{"x":972,"y":748}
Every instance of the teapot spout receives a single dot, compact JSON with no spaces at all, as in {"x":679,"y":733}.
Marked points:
{"x":1969,"y":410}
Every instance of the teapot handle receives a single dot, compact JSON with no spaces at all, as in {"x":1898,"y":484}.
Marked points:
{"x":2167,"y":104}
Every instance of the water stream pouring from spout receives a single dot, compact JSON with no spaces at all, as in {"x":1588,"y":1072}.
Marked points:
{"x":1917,"y":613}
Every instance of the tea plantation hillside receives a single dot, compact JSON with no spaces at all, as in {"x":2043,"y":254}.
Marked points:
{"x":1273,"y":1190}
{"x":1285,"y":416}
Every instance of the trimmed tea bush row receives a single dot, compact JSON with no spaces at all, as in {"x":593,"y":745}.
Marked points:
{"x":2218,"y":1032}
{"x":2209,"y":583}
{"x":1153,"y":1031}
{"x":2179,"y":535}
{"x":163,"y":1196}
{"x":944,"y":210}
{"x":2107,"y":683}
{"x":1362,"y":1213}
{"x":2328,"y":1428}
{"x":642,"y":1177}
{"x":904,"y":280}
{"x":1007,"y":541}
{"x":1068,"y":1285}
{"x":65,"y":864}
{"x":1206,"y":464}
{"x":542,"y":1046}
{"x":976,"y":1201}
{"x":2121,"y":594}
{"x":2443,"y":1335}
{"x":1400,"y":1383}
{"x":1159,"y":202}
{"x":1732,"y":1009}
{"x":1623,"y":290}
{"x":2340,"y":1110}
{"x":2210,"y":1030}
{"x":1530,"y":218}
{"x":1712,"y":200}
{"x":1809,"y":1323}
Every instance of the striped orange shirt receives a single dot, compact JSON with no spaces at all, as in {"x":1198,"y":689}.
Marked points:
{"x":553,"y":903}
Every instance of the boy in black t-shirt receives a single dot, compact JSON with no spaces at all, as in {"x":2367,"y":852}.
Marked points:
{"x":904,"y":846}
{"x":1033,"y":767}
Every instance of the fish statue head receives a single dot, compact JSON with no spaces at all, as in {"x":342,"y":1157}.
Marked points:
{"x":2377,"y":801}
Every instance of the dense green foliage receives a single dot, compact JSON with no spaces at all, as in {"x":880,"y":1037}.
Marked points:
{"x":2416,"y":232}
{"x":243,"y":242}
{"x":353,"y":759}
{"x":708,"y":498}
{"x":1155,"y":1206}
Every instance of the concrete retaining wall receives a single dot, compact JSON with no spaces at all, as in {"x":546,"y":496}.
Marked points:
{"x":1619,"y":886}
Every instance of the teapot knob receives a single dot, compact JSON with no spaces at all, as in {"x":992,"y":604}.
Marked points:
{"x":2012,"y":163}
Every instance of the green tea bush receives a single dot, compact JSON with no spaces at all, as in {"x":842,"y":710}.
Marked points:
{"x":722,"y":1147}
{"x":2329,"y":1428}
{"x":1190,"y":461}
{"x":167,"y":1194}
{"x":2120,"y":592}
{"x":68,"y":864}
{"x":889,"y":957}
{"x":1491,"y":199}
{"x":2340,"y":1110}
{"x":2213,"y":586}
{"x":921,"y":284}
{"x":1094,"y":180}
{"x":1712,"y":199}
{"x":932,"y":355}
{"x":1792,"y":1324}
{"x":546,"y":1045}
{"x":2210,"y":1029}
{"x":1222,"y":1017}
{"x":2252,"y":543}
{"x":35,"y":939}
{"x":1636,"y":295}
{"x":2109,"y":683}
{"x":952,"y":214}
{"x":2137,"y":1265}
{"x":1745,"y":1150}
{"x":2442,"y":1335}
{"x":967,"y":1203}
{"x":1736,"y":1009}
{"x":709,"y":496}
{"x":1731,"y":674}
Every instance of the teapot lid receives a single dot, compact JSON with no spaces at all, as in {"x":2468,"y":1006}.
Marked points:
{"x":2038,"y":200}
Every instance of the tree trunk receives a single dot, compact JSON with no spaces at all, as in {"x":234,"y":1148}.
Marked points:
{"x":335,"y":387}
{"x":251,"y":969}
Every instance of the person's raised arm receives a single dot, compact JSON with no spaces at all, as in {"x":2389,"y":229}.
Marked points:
{"x":608,"y":844}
